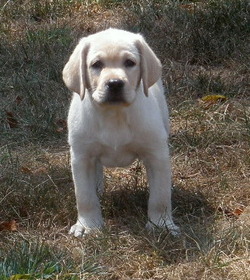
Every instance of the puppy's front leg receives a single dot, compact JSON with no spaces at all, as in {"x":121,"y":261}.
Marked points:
{"x":88,"y":206}
{"x":159,"y":204}
{"x":99,"y":178}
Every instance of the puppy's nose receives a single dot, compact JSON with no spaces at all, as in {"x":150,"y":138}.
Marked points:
{"x":115,"y":85}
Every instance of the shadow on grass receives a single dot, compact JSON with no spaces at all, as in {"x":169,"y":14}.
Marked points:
{"x":44,"y":200}
{"x":126,"y":209}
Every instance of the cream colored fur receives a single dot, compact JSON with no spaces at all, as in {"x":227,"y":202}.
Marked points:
{"x":118,"y":113}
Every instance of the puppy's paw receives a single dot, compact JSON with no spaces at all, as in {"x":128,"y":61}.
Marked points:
{"x":174,"y":230}
{"x":77,"y":230}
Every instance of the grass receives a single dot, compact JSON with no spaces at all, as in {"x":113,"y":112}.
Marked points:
{"x":203,"y":46}
{"x":34,"y":259}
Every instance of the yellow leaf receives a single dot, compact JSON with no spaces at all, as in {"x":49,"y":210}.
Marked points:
{"x":21,"y":276}
{"x":209,"y":100}
{"x":213,"y":98}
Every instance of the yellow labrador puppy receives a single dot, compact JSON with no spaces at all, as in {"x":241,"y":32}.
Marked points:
{"x":118,"y":113}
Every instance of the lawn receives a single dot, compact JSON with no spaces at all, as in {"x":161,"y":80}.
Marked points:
{"x":204,"y":49}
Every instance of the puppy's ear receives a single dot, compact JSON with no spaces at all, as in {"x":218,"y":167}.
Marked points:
{"x":75,"y":71}
{"x":150,"y":65}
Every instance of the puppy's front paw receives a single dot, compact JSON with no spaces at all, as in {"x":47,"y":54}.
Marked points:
{"x":77,"y":230}
{"x":174,"y":230}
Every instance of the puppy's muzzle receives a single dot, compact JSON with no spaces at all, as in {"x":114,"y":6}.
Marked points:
{"x":114,"y":91}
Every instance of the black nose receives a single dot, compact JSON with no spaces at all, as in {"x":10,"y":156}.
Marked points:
{"x":114,"y":85}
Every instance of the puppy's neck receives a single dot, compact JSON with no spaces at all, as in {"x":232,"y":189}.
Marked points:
{"x":115,"y":127}
{"x":116,"y":115}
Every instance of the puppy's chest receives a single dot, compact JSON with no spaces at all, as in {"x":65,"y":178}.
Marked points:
{"x":120,"y":157}
{"x":114,"y":136}
{"x":115,"y":130}
{"x":116,"y":144}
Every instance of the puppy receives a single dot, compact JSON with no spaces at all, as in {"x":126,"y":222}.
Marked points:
{"x":118,"y":113}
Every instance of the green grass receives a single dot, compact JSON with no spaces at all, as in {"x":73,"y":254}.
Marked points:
{"x":203,"y":46}
{"x":24,"y":258}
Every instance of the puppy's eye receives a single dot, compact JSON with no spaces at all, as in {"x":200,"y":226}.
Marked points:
{"x":97,"y":65}
{"x":129,"y":63}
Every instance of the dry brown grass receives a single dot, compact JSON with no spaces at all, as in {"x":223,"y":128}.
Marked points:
{"x":209,"y":146}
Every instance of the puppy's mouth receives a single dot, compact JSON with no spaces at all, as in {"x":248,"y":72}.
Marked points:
{"x":108,"y":100}
{"x":114,"y":99}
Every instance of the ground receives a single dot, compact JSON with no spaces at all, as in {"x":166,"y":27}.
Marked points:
{"x":204,"y":49}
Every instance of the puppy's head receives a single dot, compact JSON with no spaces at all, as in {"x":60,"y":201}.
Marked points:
{"x":111,"y":65}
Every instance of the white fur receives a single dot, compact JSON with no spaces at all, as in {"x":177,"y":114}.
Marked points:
{"x":107,"y":134}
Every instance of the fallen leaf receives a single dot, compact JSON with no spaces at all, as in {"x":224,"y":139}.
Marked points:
{"x":40,"y":170}
{"x":11,"y":120}
{"x":209,"y":100}
{"x":237,"y":211}
{"x":213,"y":98}
{"x":18,"y":100}
{"x":25,"y":170}
{"x":62,"y":125}
{"x":231,"y":213}
{"x":245,"y":216}
{"x":21,"y":276}
{"x":61,"y":122}
{"x":8,"y":226}
{"x":188,"y":7}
